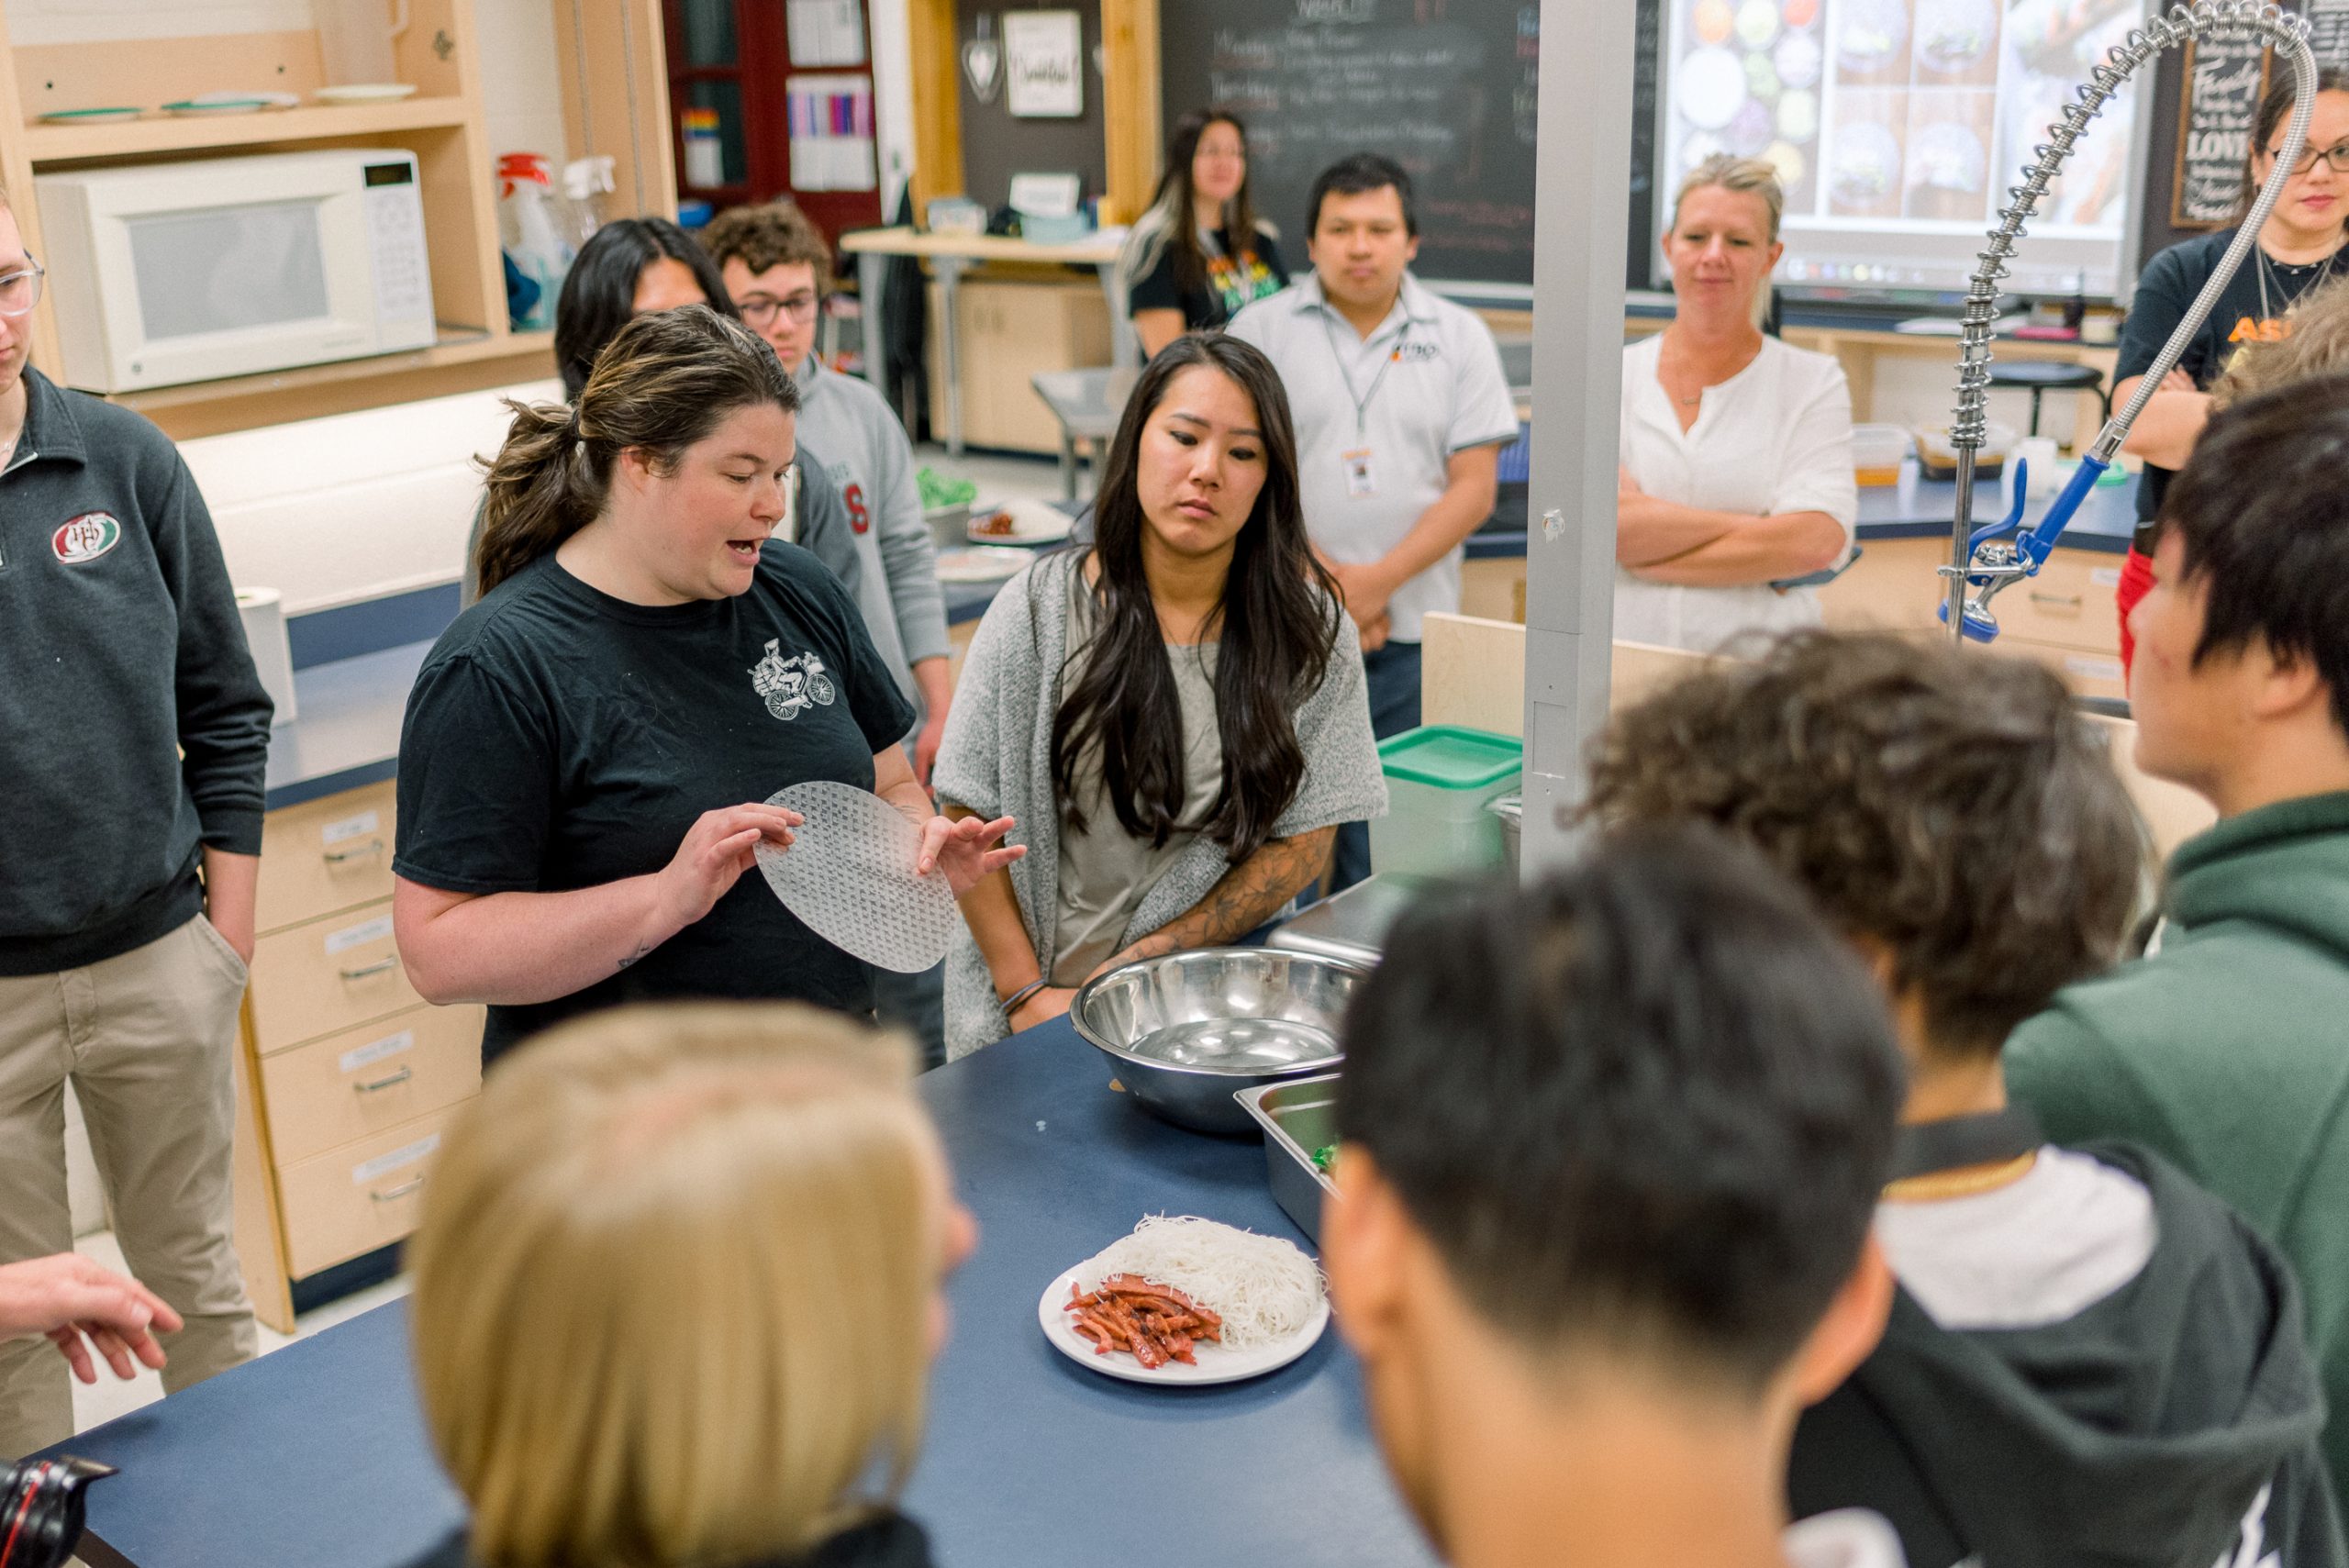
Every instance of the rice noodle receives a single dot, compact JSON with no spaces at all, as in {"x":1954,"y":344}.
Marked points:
{"x":1264,"y":1287}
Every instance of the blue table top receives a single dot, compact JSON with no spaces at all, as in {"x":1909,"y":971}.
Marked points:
{"x":315,"y":1456}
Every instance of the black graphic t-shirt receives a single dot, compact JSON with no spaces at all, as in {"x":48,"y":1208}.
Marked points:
{"x":559,"y":739}
{"x":1239,"y":273}
{"x":2250,"y":310}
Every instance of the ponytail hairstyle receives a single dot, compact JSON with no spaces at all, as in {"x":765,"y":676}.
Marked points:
{"x":668,"y":379}
{"x":1279,"y":627}
{"x":2273,"y":109}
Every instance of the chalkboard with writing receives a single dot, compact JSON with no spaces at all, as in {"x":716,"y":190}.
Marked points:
{"x":1444,"y":87}
{"x":2329,"y":32}
{"x":2225,"y":76}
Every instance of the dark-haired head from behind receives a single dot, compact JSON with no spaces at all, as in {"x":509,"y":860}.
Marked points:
{"x":1953,"y":814}
{"x":599,"y":293}
{"x":1641,"y":1110}
{"x":1355,"y":175}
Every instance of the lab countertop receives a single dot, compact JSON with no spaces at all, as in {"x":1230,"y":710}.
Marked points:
{"x":348,"y":733}
{"x":315,"y":1456}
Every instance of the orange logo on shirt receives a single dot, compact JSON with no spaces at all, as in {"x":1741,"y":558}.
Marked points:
{"x":2260,"y":329}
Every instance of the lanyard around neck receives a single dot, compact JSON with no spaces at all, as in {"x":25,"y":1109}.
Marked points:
{"x":1363,"y":400}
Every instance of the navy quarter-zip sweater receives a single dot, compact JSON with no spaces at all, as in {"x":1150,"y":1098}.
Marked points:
{"x":133,"y":729}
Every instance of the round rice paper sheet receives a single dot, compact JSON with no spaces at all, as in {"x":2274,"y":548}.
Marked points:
{"x":849,"y":876}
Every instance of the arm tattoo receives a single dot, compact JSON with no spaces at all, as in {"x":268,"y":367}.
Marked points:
{"x":634,"y":956}
{"x":1246,"y":897}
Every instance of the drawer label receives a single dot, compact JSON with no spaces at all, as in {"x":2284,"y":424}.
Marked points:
{"x":2102,"y":576}
{"x":375,"y":1050}
{"x":350,"y":937}
{"x":350,"y":827}
{"x":367,"y":1171}
{"x":2097,"y":669}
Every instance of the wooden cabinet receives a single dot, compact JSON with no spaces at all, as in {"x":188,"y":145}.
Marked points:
{"x":1013,"y":330}
{"x":615,"y":103}
{"x":2066,"y":617}
{"x":346,"y":1074}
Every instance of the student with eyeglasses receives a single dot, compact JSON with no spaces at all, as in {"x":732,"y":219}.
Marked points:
{"x":2303,"y":245}
{"x":775,"y":262}
{"x":133,"y":738}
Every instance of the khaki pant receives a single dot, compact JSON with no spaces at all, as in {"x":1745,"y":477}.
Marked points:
{"x":146,"y":1037}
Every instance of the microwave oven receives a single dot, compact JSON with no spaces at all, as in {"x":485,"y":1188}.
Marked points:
{"x":164,"y":273}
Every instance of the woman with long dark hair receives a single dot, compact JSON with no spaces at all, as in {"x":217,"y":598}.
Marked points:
{"x":1178,"y":707}
{"x":2303,"y":245}
{"x":588,"y":750}
{"x":1198,"y":254}
{"x":631,"y":267}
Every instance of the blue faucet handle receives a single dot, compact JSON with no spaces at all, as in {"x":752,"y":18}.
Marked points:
{"x":2035,"y":546}
{"x":2014,"y":515}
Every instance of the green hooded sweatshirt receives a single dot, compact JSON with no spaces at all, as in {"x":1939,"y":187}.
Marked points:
{"x":2227,"y":1051}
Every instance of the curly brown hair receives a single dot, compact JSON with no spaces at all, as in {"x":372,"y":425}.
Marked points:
{"x":1950,"y":806}
{"x":2317,"y":344}
{"x":776,"y":234}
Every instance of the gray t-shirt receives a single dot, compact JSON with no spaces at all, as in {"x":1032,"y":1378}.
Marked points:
{"x":1105,"y":871}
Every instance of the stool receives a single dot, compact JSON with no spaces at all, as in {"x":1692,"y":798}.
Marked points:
{"x":2039,"y":377}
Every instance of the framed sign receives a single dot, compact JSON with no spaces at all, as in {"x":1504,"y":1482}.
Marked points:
{"x":2224,"y":79}
{"x":1043,"y":58}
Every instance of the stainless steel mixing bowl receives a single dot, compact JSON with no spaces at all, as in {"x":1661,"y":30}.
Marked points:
{"x":1188,"y":1030}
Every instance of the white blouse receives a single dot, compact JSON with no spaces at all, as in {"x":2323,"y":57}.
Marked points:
{"x":1773,"y":439}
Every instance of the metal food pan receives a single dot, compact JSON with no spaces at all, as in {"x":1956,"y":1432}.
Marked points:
{"x":1298,"y":1117}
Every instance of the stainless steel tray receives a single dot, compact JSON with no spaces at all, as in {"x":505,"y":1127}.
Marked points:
{"x":1298,"y":1117}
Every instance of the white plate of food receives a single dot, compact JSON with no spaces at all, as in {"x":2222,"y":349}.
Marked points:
{"x":1197,"y":1301}
{"x":1018,"y":522}
{"x":988,"y":564}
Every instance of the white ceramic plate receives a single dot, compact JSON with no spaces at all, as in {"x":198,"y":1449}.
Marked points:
{"x":88,"y":117}
{"x":1032,"y":522}
{"x":990,"y":563}
{"x":192,"y":110}
{"x":1216,"y":1363}
{"x":365,"y":93}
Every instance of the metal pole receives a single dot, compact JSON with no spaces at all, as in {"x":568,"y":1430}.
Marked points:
{"x":1582,"y":186}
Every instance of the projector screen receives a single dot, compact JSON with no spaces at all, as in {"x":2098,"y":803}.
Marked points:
{"x":1897,"y":127}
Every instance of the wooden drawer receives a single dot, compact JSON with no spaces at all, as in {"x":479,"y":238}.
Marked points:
{"x":358,"y":1197}
{"x":1894,"y":587}
{"x":328,"y":974}
{"x":363,"y":1081}
{"x":324,"y":855}
{"x":2090,"y":675}
{"x":2070,"y":603}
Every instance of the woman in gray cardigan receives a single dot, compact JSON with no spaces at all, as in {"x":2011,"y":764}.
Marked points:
{"x":1175,"y":714}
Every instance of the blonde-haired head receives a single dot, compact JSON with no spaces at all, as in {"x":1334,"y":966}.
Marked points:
{"x":2315,"y":342}
{"x":1748,"y":176}
{"x":673,"y":1287}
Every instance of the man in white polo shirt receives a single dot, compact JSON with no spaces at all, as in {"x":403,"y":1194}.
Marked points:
{"x":1401,"y":409}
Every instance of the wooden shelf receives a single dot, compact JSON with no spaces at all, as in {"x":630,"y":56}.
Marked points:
{"x":462,"y":361}
{"x":171,"y":133}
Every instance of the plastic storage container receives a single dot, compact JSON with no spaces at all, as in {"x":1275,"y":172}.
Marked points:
{"x":1877,"y":452}
{"x":1937,"y":460}
{"x":1440,"y":778}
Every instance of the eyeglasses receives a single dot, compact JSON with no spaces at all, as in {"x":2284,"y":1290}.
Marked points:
{"x":760,"y":308}
{"x":20,"y":289}
{"x":2337,"y":155}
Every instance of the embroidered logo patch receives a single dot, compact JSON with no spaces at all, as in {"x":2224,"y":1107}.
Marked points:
{"x":791,"y":684}
{"x":85,"y":538}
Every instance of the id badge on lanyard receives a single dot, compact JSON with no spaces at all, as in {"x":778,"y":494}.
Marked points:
{"x":1357,"y":465}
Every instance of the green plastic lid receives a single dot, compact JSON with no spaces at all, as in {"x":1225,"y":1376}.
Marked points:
{"x":1449,"y":757}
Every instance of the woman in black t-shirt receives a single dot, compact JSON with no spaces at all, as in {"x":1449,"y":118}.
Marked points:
{"x":2301,"y":247}
{"x":587,"y":749}
{"x":1198,"y":254}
